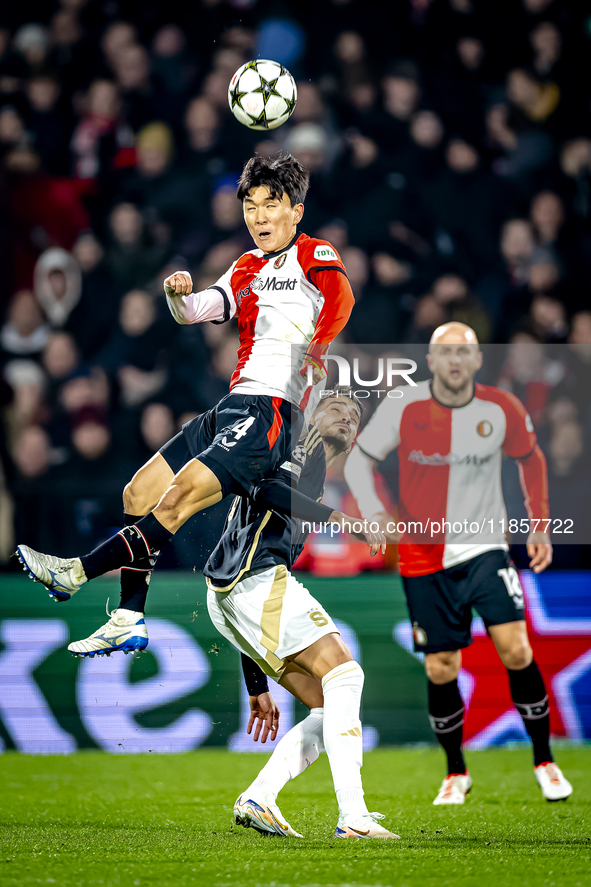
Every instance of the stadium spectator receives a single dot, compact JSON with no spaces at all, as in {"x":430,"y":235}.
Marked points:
{"x":25,"y":330}
{"x":60,"y":357}
{"x":99,"y":134}
{"x":58,"y":284}
{"x":401,"y":96}
{"x":132,"y":256}
{"x":134,"y":354}
{"x":49,"y":124}
{"x":31,"y":457}
{"x":157,"y":426}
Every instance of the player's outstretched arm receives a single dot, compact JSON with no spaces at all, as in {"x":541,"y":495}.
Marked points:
{"x":276,"y":495}
{"x":189,"y":307}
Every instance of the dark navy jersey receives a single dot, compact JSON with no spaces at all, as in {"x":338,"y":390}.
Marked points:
{"x":254,"y":538}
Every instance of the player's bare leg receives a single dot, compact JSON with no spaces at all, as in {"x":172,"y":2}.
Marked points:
{"x":446,"y":715}
{"x":126,"y":628}
{"x":193,"y":489}
{"x":147,"y":486}
{"x":329,"y":660}
{"x":320,"y":658}
{"x":530,"y":698}
{"x":138,"y":544}
{"x":64,"y":576}
{"x":296,"y":751}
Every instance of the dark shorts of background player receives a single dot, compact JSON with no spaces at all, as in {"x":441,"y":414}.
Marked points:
{"x":440,"y":604}
{"x":240,"y":452}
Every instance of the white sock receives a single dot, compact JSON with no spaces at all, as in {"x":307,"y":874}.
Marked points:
{"x":342,"y":688}
{"x":293,"y":754}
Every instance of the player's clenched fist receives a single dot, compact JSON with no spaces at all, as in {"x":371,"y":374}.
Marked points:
{"x":178,"y":284}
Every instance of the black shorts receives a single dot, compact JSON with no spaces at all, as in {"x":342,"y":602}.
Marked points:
{"x":440,"y":604}
{"x":245,"y":438}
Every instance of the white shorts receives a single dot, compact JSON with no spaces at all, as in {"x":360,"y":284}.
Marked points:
{"x":269,"y":616}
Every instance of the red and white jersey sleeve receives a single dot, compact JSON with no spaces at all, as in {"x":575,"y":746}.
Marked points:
{"x":520,"y":437}
{"x":521,"y":444}
{"x":451,"y":503}
{"x":215,"y":303}
{"x":324,"y":269}
{"x":286,"y":304}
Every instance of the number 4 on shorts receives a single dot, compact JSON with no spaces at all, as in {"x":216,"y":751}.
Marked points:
{"x":513,"y":585}
{"x":238,"y":431}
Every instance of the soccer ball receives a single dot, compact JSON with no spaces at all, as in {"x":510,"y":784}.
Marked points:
{"x":262,"y":94}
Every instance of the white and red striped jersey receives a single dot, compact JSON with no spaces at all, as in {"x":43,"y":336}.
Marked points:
{"x":450,"y":472}
{"x":289,"y":305}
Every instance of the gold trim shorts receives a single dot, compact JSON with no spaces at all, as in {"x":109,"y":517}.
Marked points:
{"x":269,"y":616}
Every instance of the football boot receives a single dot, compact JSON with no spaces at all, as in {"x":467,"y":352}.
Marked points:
{"x":62,"y":576}
{"x":364,"y":826}
{"x":552,"y":782}
{"x":126,"y":631}
{"x":454,"y":789}
{"x":267,"y":819}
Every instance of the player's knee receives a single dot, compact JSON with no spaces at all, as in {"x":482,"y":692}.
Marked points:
{"x":518,"y":656}
{"x":441,"y":670}
{"x":131,"y":502}
{"x":172,"y":499}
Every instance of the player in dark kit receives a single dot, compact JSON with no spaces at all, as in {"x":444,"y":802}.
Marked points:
{"x":259,"y":606}
{"x":451,"y":433}
{"x":291,"y":297}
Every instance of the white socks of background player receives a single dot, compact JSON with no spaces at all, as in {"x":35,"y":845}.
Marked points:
{"x":342,"y":688}
{"x":293,"y":754}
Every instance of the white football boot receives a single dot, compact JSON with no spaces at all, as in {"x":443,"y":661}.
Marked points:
{"x":62,"y":576}
{"x":552,"y":782}
{"x":126,"y":630}
{"x":267,"y":819}
{"x":454,"y":789}
{"x":364,"y":826}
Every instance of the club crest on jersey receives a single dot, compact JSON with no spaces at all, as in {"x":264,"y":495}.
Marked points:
{"x":280,"y":262}
{"x":419,"y":635}
{"x":484,"y":428}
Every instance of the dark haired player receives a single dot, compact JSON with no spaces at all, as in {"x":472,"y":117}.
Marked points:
{"x":259,"y":606}
{"x":451,"y":433}
{"x":291,"y":297}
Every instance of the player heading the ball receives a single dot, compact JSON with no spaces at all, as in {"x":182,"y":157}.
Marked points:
{"x":289,"y":289}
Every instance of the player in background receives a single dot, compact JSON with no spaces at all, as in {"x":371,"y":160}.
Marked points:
{"x":257,"y":604}
{"x":291,"y":297}
{"x":451,"y":433}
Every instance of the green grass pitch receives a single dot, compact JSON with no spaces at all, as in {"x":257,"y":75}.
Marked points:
{"x":93,"y":818}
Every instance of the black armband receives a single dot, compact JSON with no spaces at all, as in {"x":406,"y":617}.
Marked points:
{"x":277,"y":496}
{"x":254,"y":677}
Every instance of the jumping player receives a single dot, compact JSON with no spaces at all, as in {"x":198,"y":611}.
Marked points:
{"x":291,"y":297}
{"x":259,"y":606}
{"x":451,"y":433}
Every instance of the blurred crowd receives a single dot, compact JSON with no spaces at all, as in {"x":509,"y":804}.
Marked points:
{"x":449,"y":143}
